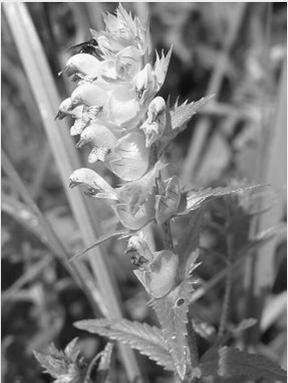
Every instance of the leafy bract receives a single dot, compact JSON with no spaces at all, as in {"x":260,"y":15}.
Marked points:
{"x":178,"y":115}
{"x":64,"y":366}
{"x":166,"y":204}
{"x":194,"y":199}
{"x":161,"y":66}
{"x":148,"y":340}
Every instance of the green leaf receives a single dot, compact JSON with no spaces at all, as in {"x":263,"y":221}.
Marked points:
{"x":148,"y":340}
{"x":228,"y":362}
{"x":172,"y":313}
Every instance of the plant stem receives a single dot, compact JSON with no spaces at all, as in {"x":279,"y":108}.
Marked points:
{"x":192,"y":344}
{"x":228,"y":284}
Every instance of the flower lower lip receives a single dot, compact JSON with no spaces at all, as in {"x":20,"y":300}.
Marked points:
{"x":72,"y":184}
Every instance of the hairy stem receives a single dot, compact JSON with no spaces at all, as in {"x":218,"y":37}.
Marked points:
{"x":193,"y":348}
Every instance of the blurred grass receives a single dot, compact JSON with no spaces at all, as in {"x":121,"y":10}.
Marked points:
{"x":45,"y":94}
{"x":215,"y":83}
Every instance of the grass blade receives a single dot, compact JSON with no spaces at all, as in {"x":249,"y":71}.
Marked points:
{"x":47,"y":99}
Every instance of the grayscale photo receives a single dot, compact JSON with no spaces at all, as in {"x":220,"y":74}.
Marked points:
{"x":144,"y":181}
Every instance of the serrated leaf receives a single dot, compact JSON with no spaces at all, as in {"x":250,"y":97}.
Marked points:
{"x":194,"y":199}
{"x":228,"y":362}
{"x":148,"y":340}
{"x":180,"y":114}
{"x":172,"y":313}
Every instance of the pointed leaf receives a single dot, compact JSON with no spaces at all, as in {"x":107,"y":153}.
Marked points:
{"x":148,"y":340}
{"x":102,"y":239}
{"x":228,"y":362}
{"x":161,"y":66}
{"x":194,"y":199}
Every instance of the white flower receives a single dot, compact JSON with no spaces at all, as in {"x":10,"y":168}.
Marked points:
{"x":64,"y":109}
{"x":89,"y":95}
{"x":98,"y":135}
{"x":83,"y":64}
{"x":96,"y":184}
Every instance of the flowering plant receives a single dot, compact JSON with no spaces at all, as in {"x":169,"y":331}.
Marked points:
{"x":118,"y":113}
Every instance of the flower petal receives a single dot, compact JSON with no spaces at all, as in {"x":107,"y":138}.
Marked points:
{"x":129,"y":159}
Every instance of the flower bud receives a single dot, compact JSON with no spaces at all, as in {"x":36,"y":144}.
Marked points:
{"x":154,"y":126}
{"x":145,"y":83}
{"x":156,"y":108}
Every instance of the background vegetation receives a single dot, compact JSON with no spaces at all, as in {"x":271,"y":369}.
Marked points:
{"x":236,"y":51}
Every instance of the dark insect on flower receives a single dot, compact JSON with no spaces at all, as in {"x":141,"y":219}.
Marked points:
{"x":89,"y":46}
